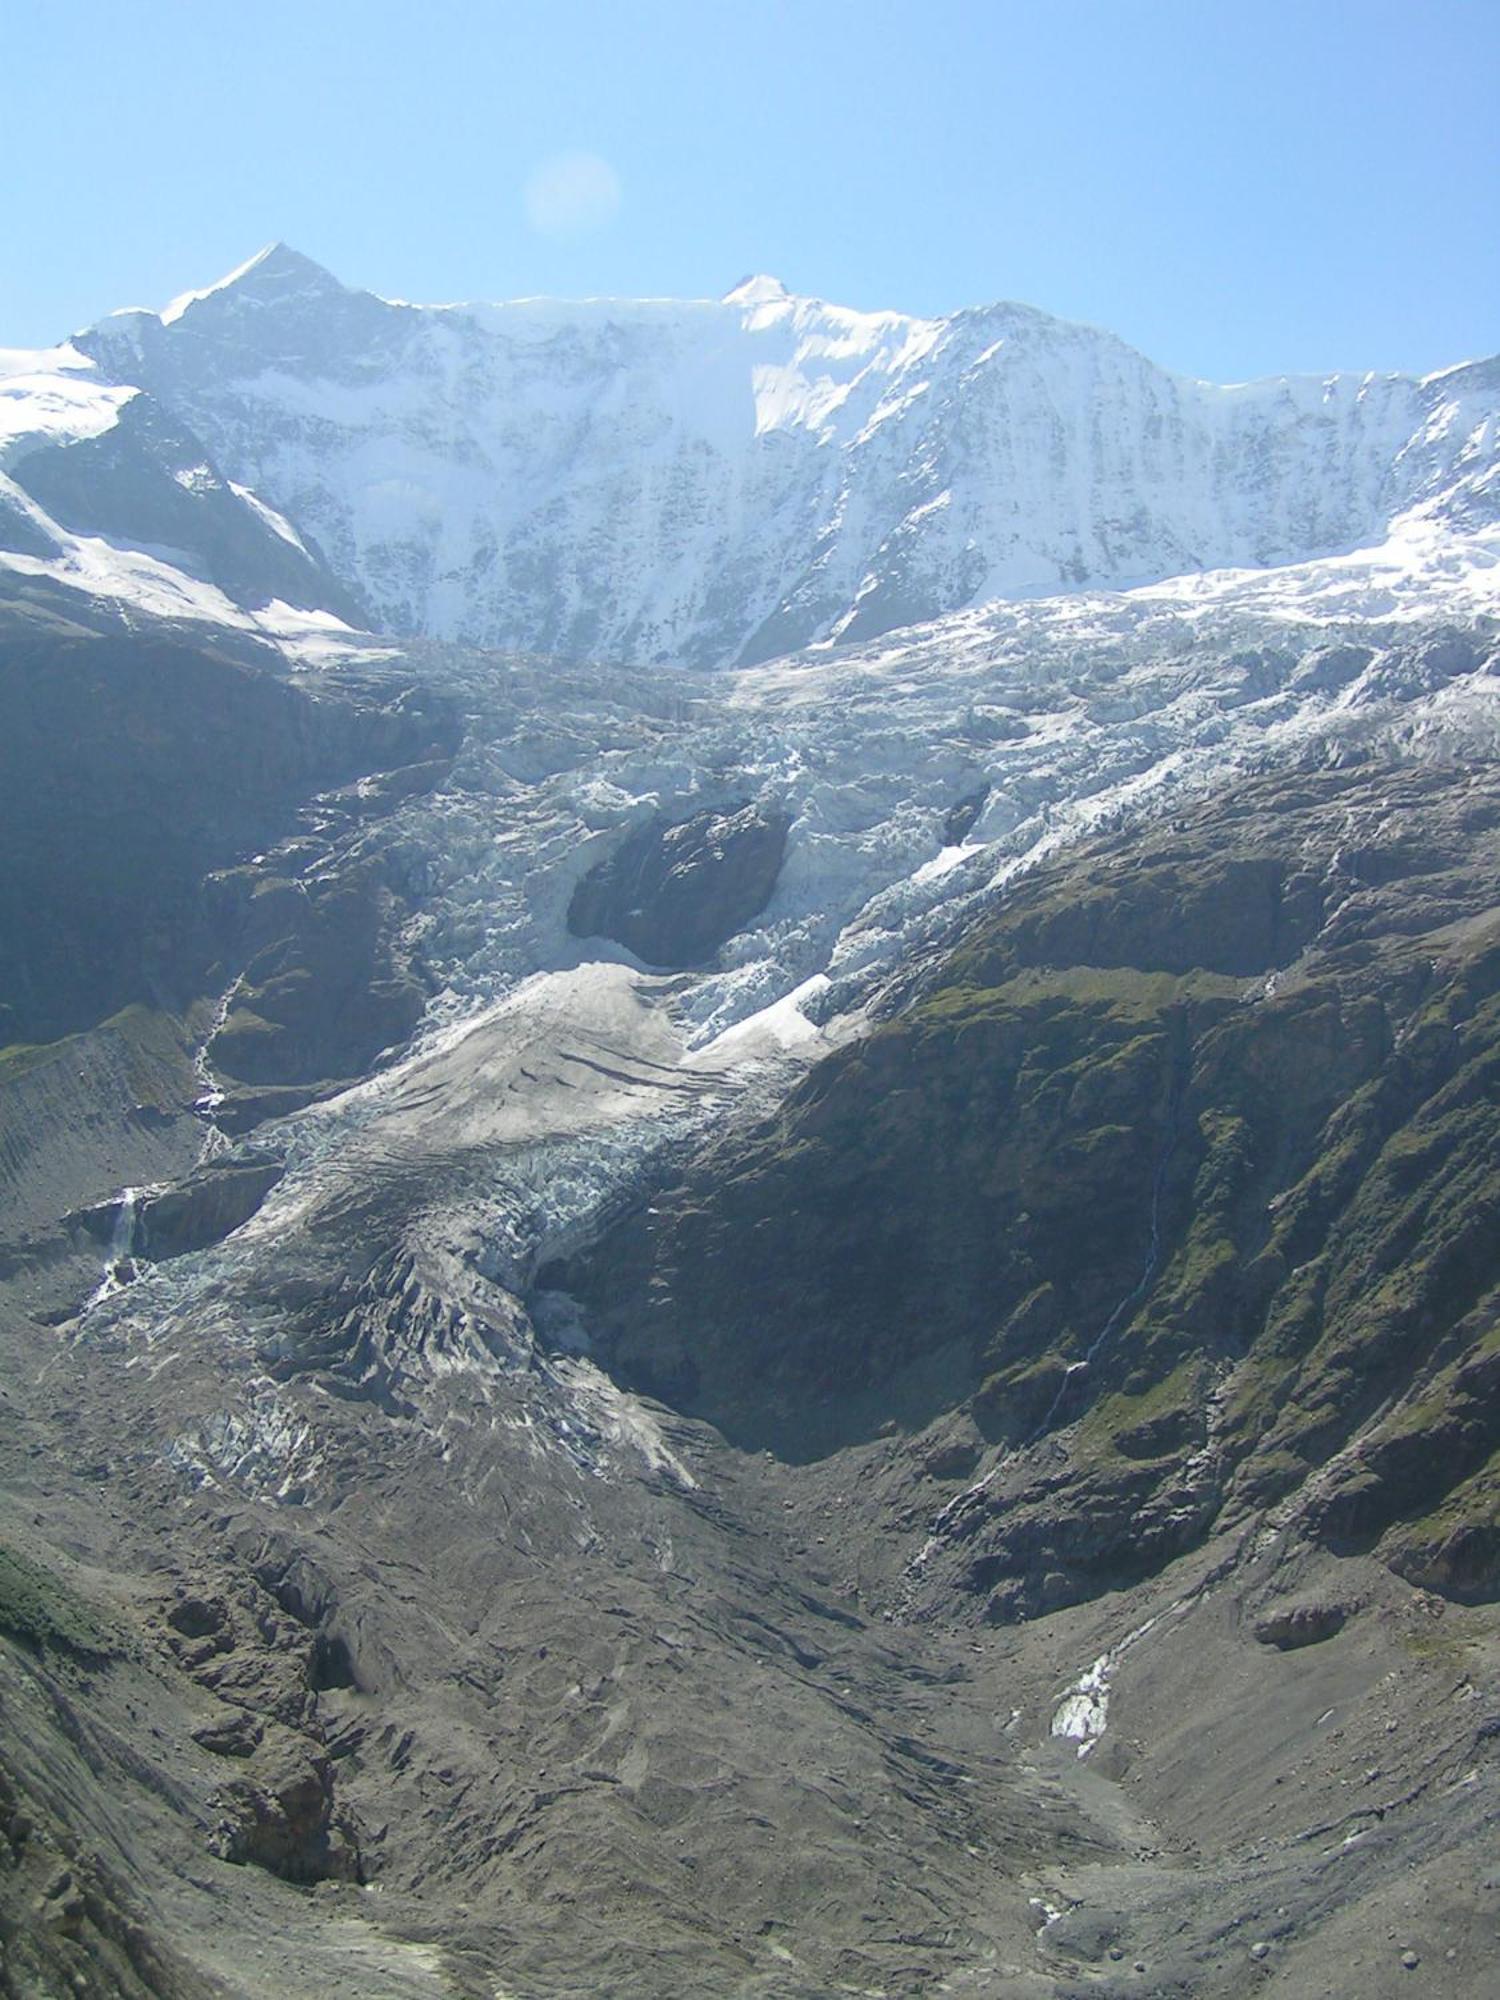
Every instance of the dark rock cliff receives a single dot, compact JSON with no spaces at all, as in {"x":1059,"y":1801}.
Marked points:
{"x":673,"y":891}
{"x":133,"y":764}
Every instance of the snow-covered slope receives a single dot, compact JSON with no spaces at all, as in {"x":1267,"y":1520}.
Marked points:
{"x":714,"y":481}
{"x":102,"y":488}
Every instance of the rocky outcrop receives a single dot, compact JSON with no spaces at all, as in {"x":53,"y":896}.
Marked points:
{"x":239,"y":1736}
{"x":169,"y":1221}
{"x":208,"y":1206}
{"x":83,"y":1117}
{"x":1293,"y":1626}
{"x":70,"y":1922}
{"x":284,"y":1820}
{"x":132,"y":765}
{"x":324,"y":987}
{"x":962,"y":817}
{"x":861,"y":1257}
{"x":673,"y":891}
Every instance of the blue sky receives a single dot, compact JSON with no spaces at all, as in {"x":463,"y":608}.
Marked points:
{"x":1238,"y":189}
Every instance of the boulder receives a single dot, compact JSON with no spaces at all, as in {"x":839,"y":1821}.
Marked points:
{"x":285,"y":1822}
{"x":1292,"y":1626}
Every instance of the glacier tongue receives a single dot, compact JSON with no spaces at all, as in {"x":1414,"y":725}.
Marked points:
{"x":546,"y":1078}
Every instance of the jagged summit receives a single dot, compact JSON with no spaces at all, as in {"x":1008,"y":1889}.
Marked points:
{"x":757,"y":290}
{"x":273,"y":275}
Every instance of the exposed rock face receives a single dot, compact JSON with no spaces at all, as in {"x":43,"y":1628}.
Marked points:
{"x":324,"y":988}
{"x":204,"y":1208}
{"x":240,"y":1736}
{"x":148,"y":482}
{"x":84,"y":1117}
{"x":961,"y":818}
{"x":1298,"y":1625}
{"x":285,"y":1821}
{"x":1185,"y":1162}
{"x":69,"y":1922}
{"x":131,"y":767}
{"x":674,"y":891}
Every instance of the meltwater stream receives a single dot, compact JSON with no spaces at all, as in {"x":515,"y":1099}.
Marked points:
{"x":119,"y":1269}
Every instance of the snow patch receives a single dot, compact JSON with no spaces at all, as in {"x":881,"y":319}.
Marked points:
{"x":1082,"y":1716}
{"x":55,"y":408}
{"x":148,"y":582}
{"x":44,"y":361}
{"x":277,"y":523}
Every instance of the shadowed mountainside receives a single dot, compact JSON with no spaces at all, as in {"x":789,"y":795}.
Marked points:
{"x":132,"y":766}
{"x":1172,"y":1196}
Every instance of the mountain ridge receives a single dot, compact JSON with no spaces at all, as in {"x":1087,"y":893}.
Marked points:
{"x":757,"y":288}
{"x":724,"y":481}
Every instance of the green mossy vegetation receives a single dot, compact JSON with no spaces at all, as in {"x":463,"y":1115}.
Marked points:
{"x":241,"y":1023}
{"x":1335,"y":1215}
{"x":1128,"y":1423}
{"x":21,"y":1057}
{"x":1121,"y":995}
{"x":1474,"y":1503}
{"x":42,"y":1612}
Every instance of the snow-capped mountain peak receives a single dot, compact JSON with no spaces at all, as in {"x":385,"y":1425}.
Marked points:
{"x":711,"y":481}
{"x":273,"y":276}
{"x":757,"y":290}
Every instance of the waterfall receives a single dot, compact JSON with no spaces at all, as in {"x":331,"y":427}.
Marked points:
{"x":118,"y":1267}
